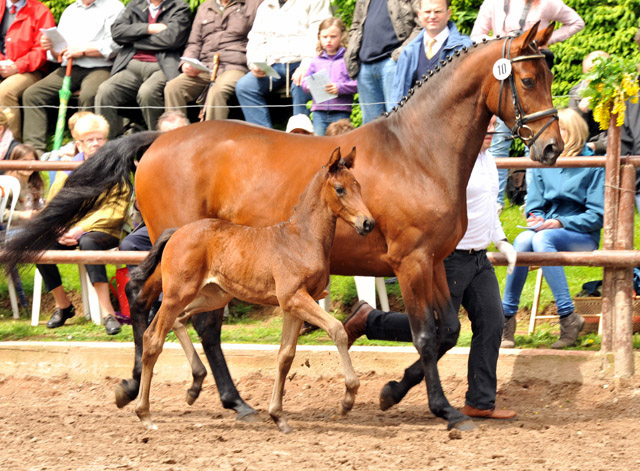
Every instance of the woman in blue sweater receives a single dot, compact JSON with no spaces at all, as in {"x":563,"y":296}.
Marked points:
{"x":565,"y":208}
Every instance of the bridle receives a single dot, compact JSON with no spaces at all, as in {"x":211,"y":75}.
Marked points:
{"x":520,"y":129}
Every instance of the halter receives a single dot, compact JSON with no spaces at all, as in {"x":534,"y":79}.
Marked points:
{"x":520,"y":129}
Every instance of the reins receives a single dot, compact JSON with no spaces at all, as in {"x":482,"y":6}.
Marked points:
{"x":520,"y":128}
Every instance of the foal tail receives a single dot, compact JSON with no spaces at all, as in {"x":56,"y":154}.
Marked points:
{"x":105,"y":174}
{"x":142,"y":272}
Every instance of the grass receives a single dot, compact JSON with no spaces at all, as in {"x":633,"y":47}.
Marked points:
{"x":249,"y":324}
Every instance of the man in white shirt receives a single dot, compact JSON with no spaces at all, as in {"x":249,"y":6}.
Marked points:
{"x":86,"y":27}
{"x":472,"y":284}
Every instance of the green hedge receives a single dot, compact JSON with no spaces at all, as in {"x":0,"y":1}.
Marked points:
{"x":610,"y":26}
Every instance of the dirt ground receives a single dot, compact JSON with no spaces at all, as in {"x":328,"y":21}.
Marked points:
{"x":61,"y":424}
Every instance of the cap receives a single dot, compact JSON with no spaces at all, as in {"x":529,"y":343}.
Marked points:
{"x":300,"y":122}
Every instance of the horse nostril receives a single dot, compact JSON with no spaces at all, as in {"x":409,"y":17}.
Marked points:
{"x":368,"y":225}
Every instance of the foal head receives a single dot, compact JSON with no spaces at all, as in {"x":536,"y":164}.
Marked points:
{"x":342,"y":192}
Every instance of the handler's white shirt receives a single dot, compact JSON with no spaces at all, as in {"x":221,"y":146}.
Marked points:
{"x":484,"y":224}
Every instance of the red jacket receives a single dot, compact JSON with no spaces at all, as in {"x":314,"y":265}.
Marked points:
{"x":22,"y":43}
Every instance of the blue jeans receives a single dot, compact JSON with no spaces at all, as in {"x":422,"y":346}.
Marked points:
{"x":252,"y":92}
{"x":322,"y":119}
{"x":500,"y":145}
{"x":548,"y":240}
{"x":375,"y":88}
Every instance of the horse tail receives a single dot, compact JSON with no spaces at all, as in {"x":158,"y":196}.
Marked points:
{"x":142,"y":272}
{"x":106,"y":174}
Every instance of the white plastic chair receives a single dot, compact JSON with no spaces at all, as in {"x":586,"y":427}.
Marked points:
{"x":10,"y":188}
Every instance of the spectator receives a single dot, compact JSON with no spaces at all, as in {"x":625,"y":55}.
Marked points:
{"x":7,"y":141}
{"x":566,"y":209}
{"x":100,"y":230}
{"x":597,"y":141}
{"x":22,"y":58}
{"x":379,"y":30}
{"x":220,"y":27}
{"x":472,"y":283}
{"x":331,"y":40}
{"x":152,"y":34}
{"x":31,"y":186}
{"x":283,"y":37}
{"x":438,"y":40}
{"x":86,"y":27}
{"x":299,"y":124}
{"x":503,"y":17}
{"x":70,"y":149}
{"x":341,"y":126}
{"x":172,"y":119}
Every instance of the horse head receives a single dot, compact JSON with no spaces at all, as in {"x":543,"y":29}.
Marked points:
{"x":343,"y":192}
{"x":520,"y":94}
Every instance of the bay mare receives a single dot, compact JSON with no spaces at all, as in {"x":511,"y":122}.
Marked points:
{"x":205,"y":264}
{"x":413,"y":166}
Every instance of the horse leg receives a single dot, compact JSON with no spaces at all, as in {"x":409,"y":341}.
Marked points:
{"x":153,"y":342}
{"x":308,"y":310}
{"x":139,"y":304}
{"x":416,"y":276}
{"x":290,"y":330}
{"x":393,"y":392}
{"x":209,"y":326}
{"x":198,"y":371}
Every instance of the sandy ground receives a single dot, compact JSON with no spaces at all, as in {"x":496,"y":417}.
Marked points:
{"x":63,"y":424}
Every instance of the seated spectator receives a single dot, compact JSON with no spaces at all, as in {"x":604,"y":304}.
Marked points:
{"x":152,"y":35}
{"x":438,"y":39}
{"x":566,"y":210}
{"x":22,"y":58}
{"x":379,"y":30}
{"x":100,"y":230}
{"x":332,"y":36}
{"x":70,"y":149}
{"x":86,"y":27}
{"x":597,"y":140}
{"x":220,"y":30}
{"x":300,"y":124}
{"x":7,"y":140}
{"x":341,"y":126}
{"x":283,"y":36}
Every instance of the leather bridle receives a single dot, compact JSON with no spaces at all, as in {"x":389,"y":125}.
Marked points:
{"x":520,"y":129}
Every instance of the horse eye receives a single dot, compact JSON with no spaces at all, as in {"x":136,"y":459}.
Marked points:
{"x":340,"y":191}
{"x":527,"y":82}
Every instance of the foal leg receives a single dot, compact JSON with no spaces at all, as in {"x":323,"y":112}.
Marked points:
{"x":140,"y":303}
{"x":198,"y":371}
{"x":290,"y":330}
{"x":304,"y":307}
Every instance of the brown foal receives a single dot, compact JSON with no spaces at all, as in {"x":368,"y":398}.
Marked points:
{"x":204,"y":264}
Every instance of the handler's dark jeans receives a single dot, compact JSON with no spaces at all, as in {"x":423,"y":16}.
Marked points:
{"x":89,"y":241}
{"x":472,"y":283}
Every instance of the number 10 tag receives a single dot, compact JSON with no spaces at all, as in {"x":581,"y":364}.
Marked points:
{"x":502,"y":69}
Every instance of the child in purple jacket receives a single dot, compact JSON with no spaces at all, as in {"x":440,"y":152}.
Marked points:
{"x":332,"y":35}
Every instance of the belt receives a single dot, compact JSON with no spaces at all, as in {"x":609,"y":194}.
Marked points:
{"x":469,"y":251}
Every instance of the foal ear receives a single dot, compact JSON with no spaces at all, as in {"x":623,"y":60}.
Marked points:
{"x":335,"y":161}
{"x":348,"y":160}
{"x":542,"y":38}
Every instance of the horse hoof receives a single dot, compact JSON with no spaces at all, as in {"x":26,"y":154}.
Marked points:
{"x":122,"y":397}
{"x":345,"y":408}
{"x":387,"y":398}
{"x":248,"y":417}
{"x":191,"y":398}
{"x":464,"y":426}
{"x":285,"y":428}
{"x":151,"y":426}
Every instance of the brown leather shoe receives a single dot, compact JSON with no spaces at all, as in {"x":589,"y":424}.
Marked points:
{"x":498,"y":414}
{"x":356,"y":323}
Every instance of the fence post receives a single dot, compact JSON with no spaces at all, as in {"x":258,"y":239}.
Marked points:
{"x":623,"y":337}
{"x":609,"y":232}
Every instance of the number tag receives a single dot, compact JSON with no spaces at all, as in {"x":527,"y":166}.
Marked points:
{"x":502,"y":69}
